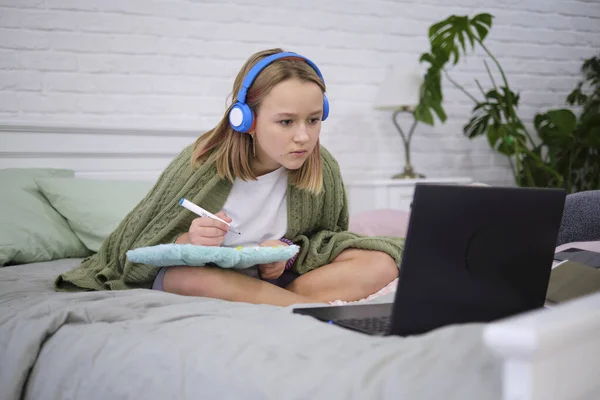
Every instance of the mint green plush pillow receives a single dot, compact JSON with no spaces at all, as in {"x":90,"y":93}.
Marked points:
{"x":164,"y":255}
{"x":93,"y":208}
{"x":30,"y":229}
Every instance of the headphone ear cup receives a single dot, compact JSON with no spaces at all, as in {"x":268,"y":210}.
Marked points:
{"x":325,"y":107}
{"x":241,"y":117}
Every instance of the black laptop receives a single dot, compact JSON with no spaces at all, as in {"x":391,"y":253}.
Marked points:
{"x":472,"y":254}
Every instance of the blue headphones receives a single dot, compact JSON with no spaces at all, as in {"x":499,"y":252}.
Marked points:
{"x":241,"y":117}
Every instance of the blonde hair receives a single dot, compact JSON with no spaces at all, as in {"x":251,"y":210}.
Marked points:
{"x":231,"y":151}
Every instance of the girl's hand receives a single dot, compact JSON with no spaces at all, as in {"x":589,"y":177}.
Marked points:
{"x":275,"y":269}
{"x":205,"y":231}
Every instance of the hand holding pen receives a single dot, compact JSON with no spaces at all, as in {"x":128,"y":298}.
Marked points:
{"x":209,"y":229}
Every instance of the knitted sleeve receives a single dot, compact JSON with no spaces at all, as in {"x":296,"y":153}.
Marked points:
{"x":156,"y":219}
{"x":321,"y":245}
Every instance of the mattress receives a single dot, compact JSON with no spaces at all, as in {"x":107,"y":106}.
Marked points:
{"x":146,"y":344}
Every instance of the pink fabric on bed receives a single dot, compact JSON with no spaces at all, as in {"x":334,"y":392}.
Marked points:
{"x":384,"y":222}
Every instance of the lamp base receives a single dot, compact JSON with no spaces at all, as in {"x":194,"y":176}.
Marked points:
{"x":408,"y":173}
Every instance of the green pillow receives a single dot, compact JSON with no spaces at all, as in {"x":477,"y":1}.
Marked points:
{"x":93,"y":208}
{"x":30,"y":229}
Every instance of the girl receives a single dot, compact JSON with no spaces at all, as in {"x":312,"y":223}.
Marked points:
{"x":263,"y":170}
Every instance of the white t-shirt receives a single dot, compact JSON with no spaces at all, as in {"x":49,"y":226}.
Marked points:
{"x":258,"y":209}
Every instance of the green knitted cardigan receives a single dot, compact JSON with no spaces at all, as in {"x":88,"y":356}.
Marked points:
{"x":317,"y":223}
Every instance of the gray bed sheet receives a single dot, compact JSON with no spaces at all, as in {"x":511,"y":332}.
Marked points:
{"x":143,"y":344}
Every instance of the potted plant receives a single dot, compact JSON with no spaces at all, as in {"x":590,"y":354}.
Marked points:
{"x":564,"y":152}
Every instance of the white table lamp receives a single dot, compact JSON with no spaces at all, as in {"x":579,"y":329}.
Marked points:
{"x":400,"y":92}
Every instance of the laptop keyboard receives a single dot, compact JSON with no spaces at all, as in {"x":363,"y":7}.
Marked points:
{"x":370,"y":325}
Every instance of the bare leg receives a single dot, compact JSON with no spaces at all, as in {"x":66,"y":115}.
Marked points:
{"x":353,"y":275}
{"x":228,"y":285}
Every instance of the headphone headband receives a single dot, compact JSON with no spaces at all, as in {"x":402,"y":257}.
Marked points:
{"x":262,"y":64}
{"x":241,"y":117}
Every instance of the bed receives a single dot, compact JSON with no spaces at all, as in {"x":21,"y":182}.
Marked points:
{"x":153,"y":345}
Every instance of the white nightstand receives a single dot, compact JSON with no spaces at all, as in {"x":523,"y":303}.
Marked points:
{"x":394,"y":194}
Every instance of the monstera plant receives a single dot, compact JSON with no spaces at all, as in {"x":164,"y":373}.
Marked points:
{"x":565,"y":149}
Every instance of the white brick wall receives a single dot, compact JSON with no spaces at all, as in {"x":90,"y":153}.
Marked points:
{"x":142,"y":63}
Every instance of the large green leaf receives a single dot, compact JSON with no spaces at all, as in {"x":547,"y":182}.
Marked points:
{"x":431,"y":98}
{"x":493,"y":135}
{"x":482,"y":23}
{"x":477,"y":125}
{"x":439,"y":111}
{"x":564,"y":120}
{"x":448,"y":38}
{"x":451,"y":34}
{"x":555,"y":127}
{"x":423,"y":114}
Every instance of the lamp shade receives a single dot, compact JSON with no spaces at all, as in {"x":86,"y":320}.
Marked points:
{"x":401,"y":87}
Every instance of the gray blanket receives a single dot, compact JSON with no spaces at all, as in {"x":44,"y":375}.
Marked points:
{"x":143,"y":344}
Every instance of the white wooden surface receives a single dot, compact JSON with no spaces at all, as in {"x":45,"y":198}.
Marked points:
{"x":551,"y":354}
{"x":393,"y":194}
{"x":102,"y":153}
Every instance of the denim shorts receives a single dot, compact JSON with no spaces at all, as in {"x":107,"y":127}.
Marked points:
{"x":285,"y":279}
